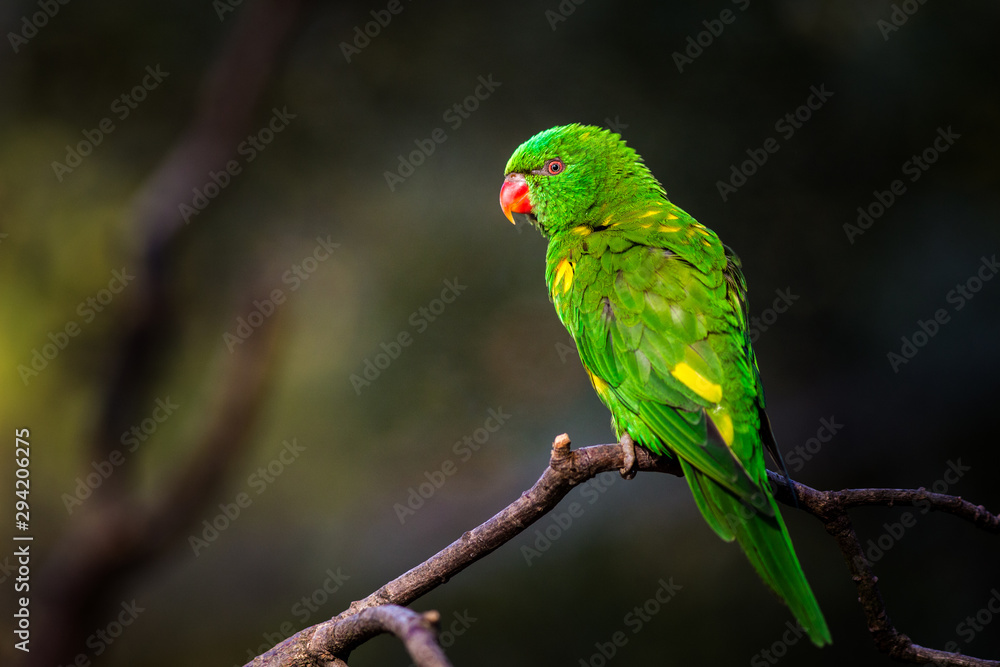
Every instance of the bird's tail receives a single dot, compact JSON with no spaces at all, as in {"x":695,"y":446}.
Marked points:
{"x":757,"y":526}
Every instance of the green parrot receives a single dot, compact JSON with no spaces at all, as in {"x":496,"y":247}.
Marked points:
{"x":657,"y":306}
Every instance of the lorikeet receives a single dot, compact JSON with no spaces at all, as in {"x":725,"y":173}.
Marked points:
{"x":657,"y":306}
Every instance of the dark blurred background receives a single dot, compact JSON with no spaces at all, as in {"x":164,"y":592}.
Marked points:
{"x":331,"y":517}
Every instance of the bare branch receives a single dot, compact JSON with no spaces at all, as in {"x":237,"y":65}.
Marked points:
{"x":230,"y":92}
{"x":838,"y":501}
{"x":566,"y":470}
{"x":831,"y":507}
{"x":418,"y":632}
{"x":319,"y":644}
{"x":118,"y":533}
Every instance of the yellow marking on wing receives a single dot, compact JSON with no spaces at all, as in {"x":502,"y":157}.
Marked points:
{"x":724,"y":423}
{"x":564,"y":275}
{"x":671,"y":216}
{"x":584,"y":135}
{"x":648,"y":213}
{"x":599,"y":385}
{"x":582,"y":230}
{"x":707,"y":243}
{"x":608,"y":219}
{"x":667,"y":229}
{"x":646,"y":225}
{"x":697,"y":383}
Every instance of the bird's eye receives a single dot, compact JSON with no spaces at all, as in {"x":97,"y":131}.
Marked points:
{"x":554,"y":166}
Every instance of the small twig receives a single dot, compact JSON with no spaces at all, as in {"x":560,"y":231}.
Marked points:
{"x":318,"y":644}
{"x":418,"y":632}
{"x":845,"y":499}
{"x":831,"y":507}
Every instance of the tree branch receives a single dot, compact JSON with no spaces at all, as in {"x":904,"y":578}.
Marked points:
{"x":418,"y":632}
{"x":118,"y":533}
{"x":838,"y":501}
{"x":323,"y":644}
{"x":831,"y":507}
{"x":567,"y":469}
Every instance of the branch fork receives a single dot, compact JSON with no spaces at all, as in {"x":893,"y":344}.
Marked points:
{"x":330,"y":642}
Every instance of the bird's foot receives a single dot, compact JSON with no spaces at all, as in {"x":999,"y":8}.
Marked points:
{"x":629,"y":470}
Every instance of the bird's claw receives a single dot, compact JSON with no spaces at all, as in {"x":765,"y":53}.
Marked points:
{"x":629,"y":470}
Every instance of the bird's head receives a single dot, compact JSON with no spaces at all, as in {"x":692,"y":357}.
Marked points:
{"x":569,"y":175}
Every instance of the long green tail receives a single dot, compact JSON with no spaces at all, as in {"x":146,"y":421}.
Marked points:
{"x":766,"y":543}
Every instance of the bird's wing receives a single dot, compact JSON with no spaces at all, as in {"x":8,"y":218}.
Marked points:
{"x":659,"y":325}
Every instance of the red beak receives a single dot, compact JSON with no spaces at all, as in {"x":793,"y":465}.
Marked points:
{"x":514,"y":196}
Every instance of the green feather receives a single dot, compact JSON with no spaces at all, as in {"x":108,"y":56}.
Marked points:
{"x":767,"y":545}
{"x":657,"y":307}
